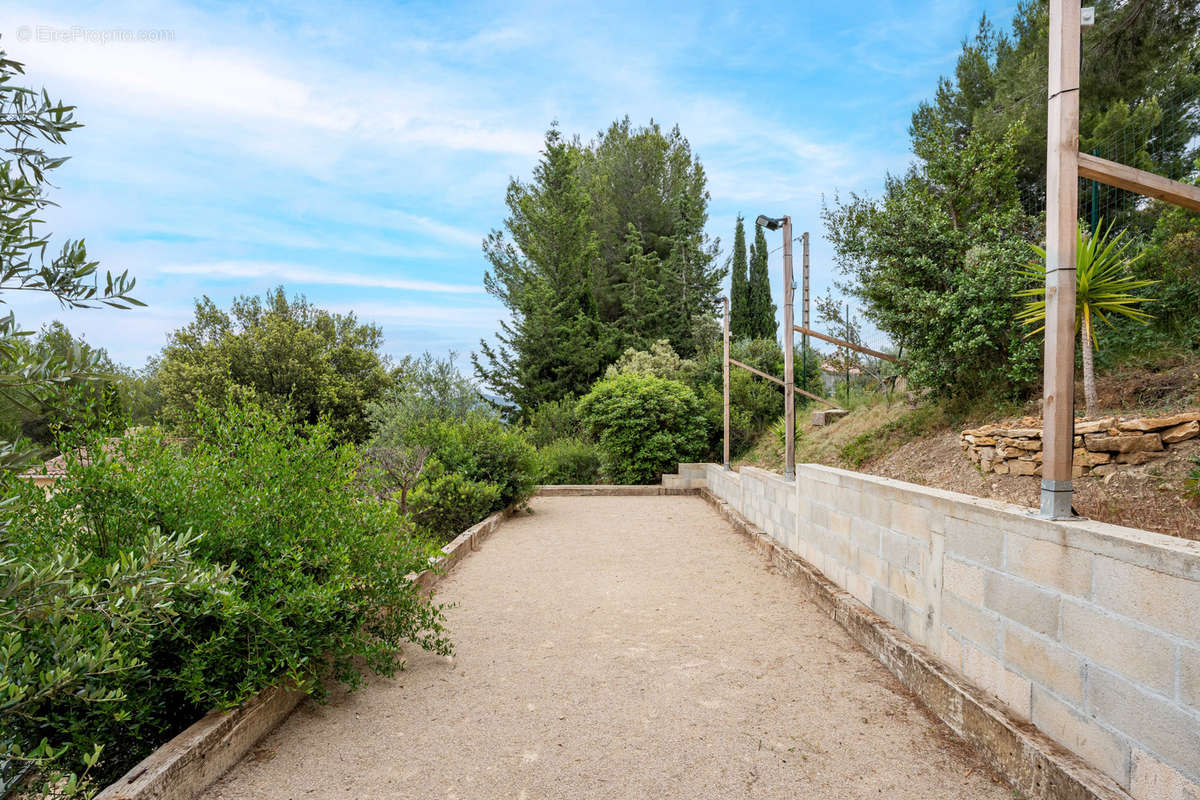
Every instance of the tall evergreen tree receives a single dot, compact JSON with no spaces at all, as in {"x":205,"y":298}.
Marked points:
{"x":650,"y":179}
{"x":760,"y":319}
{"x":554,"y":345}
{"x":603,"y":249}
{"x":739,"y":287}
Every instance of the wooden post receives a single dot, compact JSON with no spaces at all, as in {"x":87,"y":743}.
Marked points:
{"x":726,"y":376}
{"x":804,"y":318}
{"x":1062,"y":219}
{"x":789,"y":339}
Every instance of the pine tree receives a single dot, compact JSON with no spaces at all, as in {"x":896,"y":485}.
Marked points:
{"x":760,"y":322}
{"x":555,"y":345}
{"x":739,"y":288}
{"x":642,"y":293}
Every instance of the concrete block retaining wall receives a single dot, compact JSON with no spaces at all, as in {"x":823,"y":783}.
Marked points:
{"x":1089,"y":631}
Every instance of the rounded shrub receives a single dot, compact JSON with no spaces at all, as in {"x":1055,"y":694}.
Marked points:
{"x":644,"y":426}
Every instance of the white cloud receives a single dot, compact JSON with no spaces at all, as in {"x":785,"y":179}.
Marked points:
{"x":247,"y":270}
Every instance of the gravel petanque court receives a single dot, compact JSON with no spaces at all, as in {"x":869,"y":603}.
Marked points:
{"x":621,"y":647}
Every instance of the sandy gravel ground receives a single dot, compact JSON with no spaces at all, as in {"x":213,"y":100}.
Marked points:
{"x":628,"y":647}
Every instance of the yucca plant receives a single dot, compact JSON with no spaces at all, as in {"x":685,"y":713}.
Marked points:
{"x":1104,"y":287}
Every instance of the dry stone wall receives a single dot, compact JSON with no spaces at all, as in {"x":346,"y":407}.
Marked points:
{"x":1088,"y":631}
{"x":1100,"y":444}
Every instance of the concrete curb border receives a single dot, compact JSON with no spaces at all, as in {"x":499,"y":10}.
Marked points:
{"x":193,"y":760}
{"x":604,"y":490}
{"x":1028,"y":760}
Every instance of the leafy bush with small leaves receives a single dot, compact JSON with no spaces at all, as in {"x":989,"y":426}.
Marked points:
{"x":289,"y":572}
{"x":444,"y":504}
{"x":553,"y":420}
{"x":483,"y":449}
{"x":476,"y":466}
{"x":644,"y":426}
{"x":569,"y":461}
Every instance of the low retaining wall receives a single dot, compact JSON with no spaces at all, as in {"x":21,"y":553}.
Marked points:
{"x":1086,"y":631}
{"x":1100,"y":444}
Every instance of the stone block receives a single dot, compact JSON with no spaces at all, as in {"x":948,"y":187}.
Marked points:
{"x":1162,"y":601}
{"x":1189,"y":677}
{"x":900,"y":550}
{"x":908,"y":587}
{"x":1094,"y":425}
{"x":1035,"y":608}
{"x":1022,"y":467}
{"x":871,"y":566}
{"x":1049,"y":564}
{"x":827,"y":416}
{"x":1151,"y":779}
{"x":1000,"y":467}
{"x":1124,"y":443}
{"x":1158,"y":726}
{"x":839,"y":524}
{"x":973,"y":624}
{"x":911,"y":520}
{"x":1045,"y":662}
{"x":865,"y":535}
{"x":1158,"y":423}
{"x":1137,"y":458}
{"x":887,"y":605}
{"x":860,"y":587}
{"x":973,"y":541}
{"x":1181,"y":432}
{"x":986,"y":671}
{"x":965,"y":580}
{"x":1065,"y":724}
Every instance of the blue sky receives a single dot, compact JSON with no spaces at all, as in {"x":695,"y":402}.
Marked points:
{"x":359,"y":152}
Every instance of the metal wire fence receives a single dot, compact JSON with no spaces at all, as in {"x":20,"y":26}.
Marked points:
{"x":1161,"y":136}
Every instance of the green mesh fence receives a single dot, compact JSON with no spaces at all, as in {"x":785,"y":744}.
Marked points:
{"x":1161,"y":136}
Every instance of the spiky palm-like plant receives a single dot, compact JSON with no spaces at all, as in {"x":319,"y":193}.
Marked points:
{"x":1104,"y":286}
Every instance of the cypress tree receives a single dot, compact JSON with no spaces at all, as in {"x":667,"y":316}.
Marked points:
{"x":760,"y":321}
{"x":739,"y":288}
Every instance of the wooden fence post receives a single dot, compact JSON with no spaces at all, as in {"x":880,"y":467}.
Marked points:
{"x":725,"y":365}
{"x":789,"y":377}
{"x":1062,"y":219}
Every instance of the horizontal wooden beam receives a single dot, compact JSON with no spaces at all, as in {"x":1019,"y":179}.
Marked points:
{"x":773,"y":379}
{"x":812,"y":396}
{"x":759,"y":373}
{"x":844,"y":343}
{"x":1132,"y":179}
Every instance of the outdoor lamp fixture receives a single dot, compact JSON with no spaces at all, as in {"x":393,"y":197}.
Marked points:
{"x":789,"y":386}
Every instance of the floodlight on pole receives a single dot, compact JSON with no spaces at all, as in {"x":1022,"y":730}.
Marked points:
{"x":789,"y":396}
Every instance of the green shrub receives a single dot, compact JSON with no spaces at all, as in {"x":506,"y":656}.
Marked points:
{"x":553,"y":420}
{"x":445,"y":504}
{"x":476,"y":466}
{"x":569,"y":461}
{"x":293,"y":573}
{"x":644,"y":426}
{"x":482,"y":449}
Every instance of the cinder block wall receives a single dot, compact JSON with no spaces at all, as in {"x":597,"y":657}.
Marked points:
{"x":1089,"y":631}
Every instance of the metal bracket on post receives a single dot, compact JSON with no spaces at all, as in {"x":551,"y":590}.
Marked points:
{"x":1056,"y":499}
